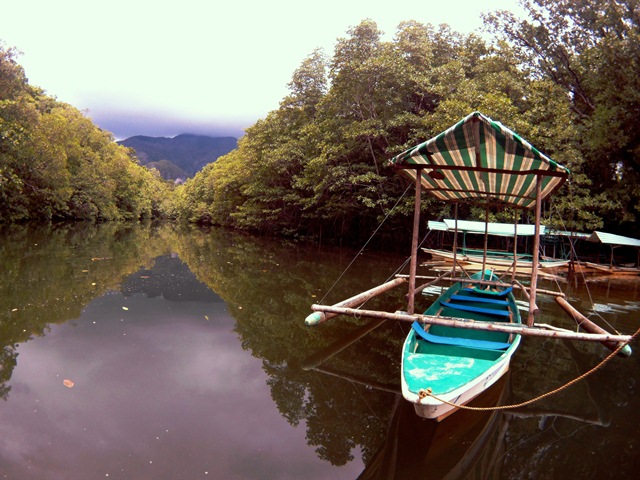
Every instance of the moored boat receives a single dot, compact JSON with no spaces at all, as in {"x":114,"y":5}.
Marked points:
{"x":613,"y":269}
{"x":452,"y":364}
{"x":464,"y":341}
{"x":501,"y":263}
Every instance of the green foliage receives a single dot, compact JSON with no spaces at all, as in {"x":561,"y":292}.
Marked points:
{"x":316,"y":166}
{"x":591,"y":50}
{"x":167,"y":169}
{"x":56,"y":164}
{"x":565,"y":78}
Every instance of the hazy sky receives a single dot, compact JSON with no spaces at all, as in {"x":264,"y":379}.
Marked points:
{"x":194,"y":66}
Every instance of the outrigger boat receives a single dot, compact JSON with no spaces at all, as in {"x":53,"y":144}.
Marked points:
{"x":498,"y":260}
{"x":464,"y":341}
{"x":502,"y":263}
{"x":614,"y":241}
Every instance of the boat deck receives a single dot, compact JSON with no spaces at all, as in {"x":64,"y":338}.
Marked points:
{"x":446,"y":367}
{"x":445,"y":358}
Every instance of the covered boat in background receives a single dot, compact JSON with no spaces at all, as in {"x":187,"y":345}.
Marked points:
{"x":498,"y":260}
{"x":615,"y":241}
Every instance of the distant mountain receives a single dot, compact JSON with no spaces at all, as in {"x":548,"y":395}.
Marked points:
{"x":179,"y":157}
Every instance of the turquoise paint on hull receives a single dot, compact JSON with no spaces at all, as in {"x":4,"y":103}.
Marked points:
{"x":446,"y":368}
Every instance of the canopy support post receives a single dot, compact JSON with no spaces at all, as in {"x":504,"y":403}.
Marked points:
{"x":533,"y":308}
{"x":455,"y":241}
{"x":486,"y":240}
{"x":515,"y":245}
{"x":414,"y":243}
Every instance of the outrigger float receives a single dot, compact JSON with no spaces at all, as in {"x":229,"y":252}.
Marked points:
{"x":463,"y":343}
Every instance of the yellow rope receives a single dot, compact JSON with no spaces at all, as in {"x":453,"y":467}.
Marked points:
{"x":428,"y":392}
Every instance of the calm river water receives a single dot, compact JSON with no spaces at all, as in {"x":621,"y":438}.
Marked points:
{"x":140,"y":352}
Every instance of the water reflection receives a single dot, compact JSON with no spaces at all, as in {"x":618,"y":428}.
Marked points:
{"x":189,"y":357}
{"x":462,"y":444}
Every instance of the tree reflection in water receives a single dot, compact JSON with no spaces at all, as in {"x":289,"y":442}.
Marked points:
{"x":340,"y":379}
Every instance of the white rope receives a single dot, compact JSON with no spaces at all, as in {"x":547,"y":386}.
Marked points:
{"x":365,"y":245}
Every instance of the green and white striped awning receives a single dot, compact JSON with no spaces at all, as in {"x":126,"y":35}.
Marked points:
{"x":480,"y":159}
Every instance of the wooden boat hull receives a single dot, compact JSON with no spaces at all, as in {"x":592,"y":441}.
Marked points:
{"x":474,"y":262}
{"x":457,"y":373}
{"x":612,"y":270}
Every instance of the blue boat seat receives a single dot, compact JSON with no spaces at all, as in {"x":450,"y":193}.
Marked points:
{"x":475,"y":298}
{"x":469,"y":308}
{"x":501,"y":293}
{"x":459,"y":341}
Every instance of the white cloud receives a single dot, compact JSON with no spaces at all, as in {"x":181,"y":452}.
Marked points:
{"x":195,"y":58}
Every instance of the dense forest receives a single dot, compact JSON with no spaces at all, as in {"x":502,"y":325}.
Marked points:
{"x":55,"y":164}
{"x":565,"y":78}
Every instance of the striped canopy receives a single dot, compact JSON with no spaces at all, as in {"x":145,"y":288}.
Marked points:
{"x":480,"y":159}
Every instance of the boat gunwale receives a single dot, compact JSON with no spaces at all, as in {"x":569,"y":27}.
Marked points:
{"x":457,"y":389}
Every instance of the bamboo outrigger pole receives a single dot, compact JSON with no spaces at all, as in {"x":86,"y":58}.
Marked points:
{"x":591,"y":327}
{"x":513,"y":328}
{"x":319,"y":316}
